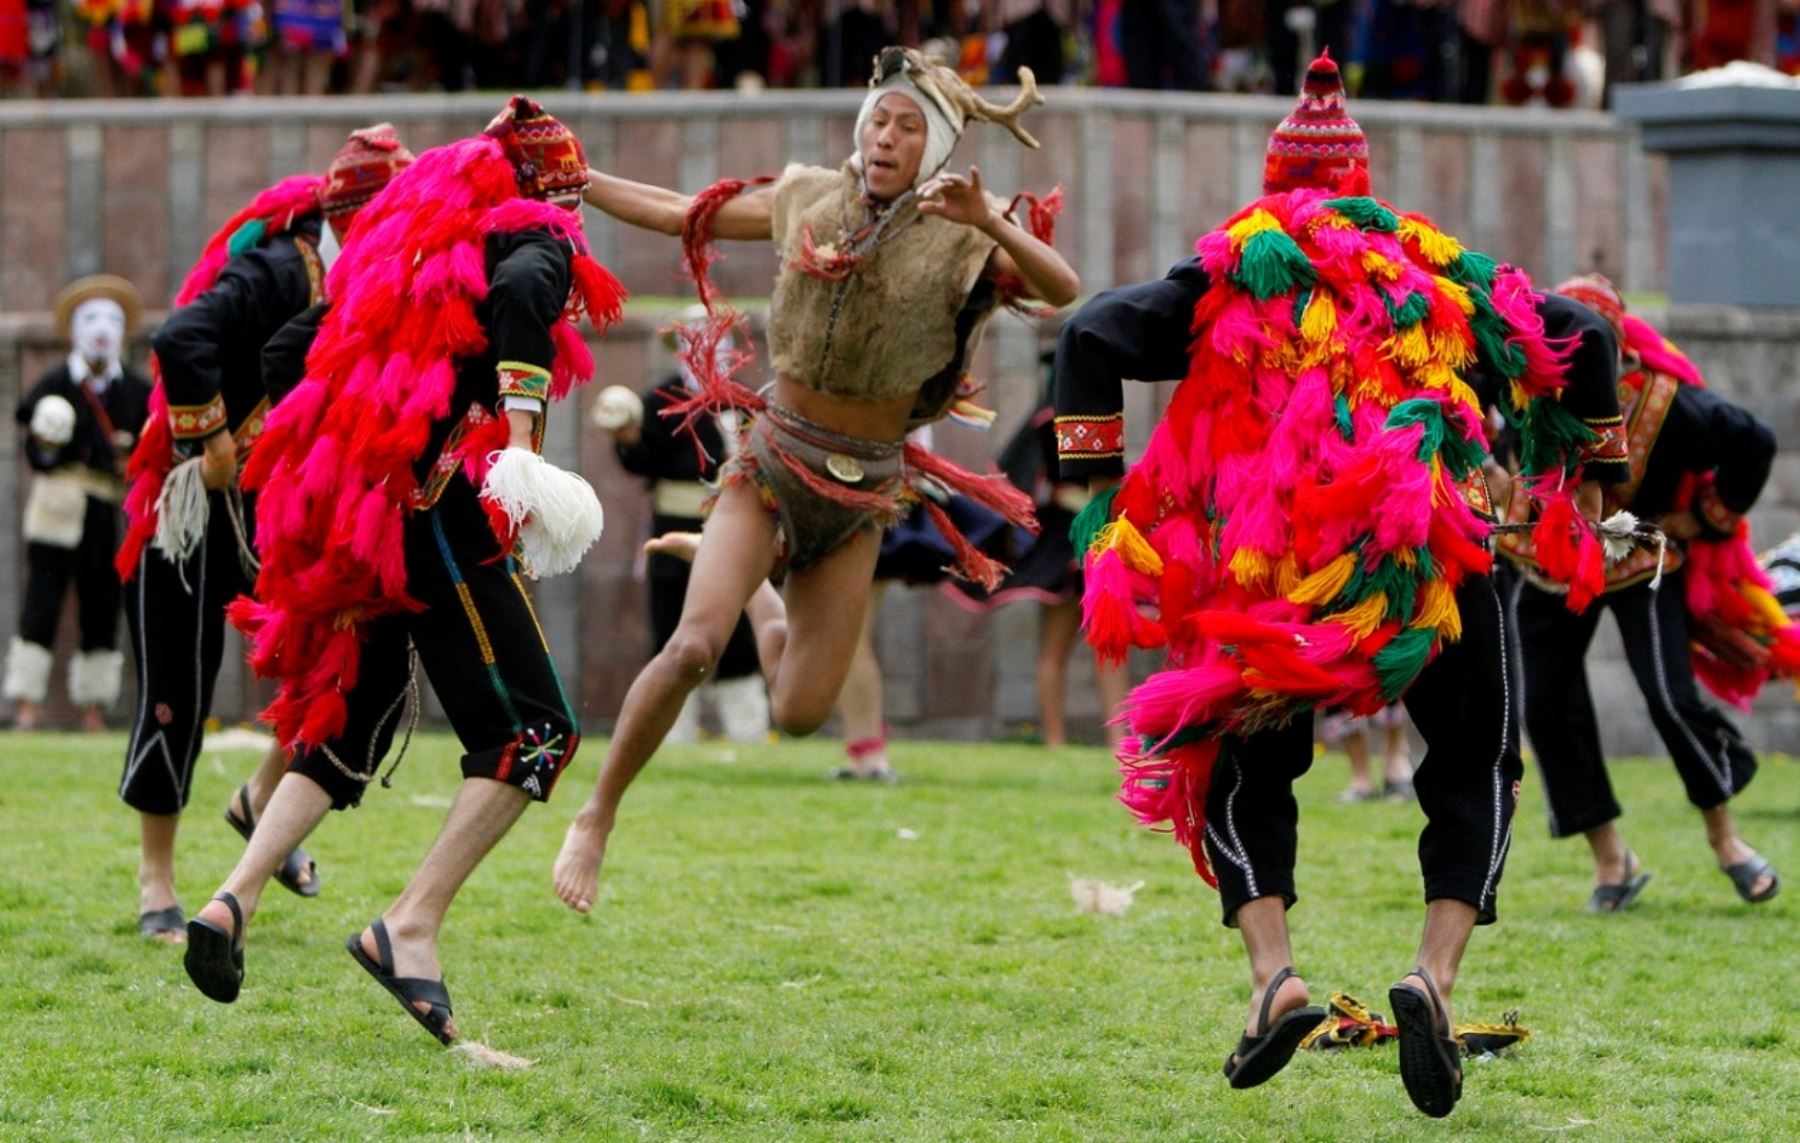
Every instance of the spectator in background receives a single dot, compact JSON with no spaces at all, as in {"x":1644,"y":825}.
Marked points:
{"x":681,"y":55}
{"x":122,"y":39}
{"x":1295,"y":27}
{"x":308,"y":36}
{"x":208,"y":45}
{"x":1160,"y":43}
{"x":1034,"y":38}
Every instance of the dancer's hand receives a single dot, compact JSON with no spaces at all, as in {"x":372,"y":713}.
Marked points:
{"x":1682,"y":525}
{"x":218,"y":464}
{"x":958,"y":198}
{"x":1590,"y":501}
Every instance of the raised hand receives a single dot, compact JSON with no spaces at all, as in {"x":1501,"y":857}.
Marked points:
{"x":957,"y":198}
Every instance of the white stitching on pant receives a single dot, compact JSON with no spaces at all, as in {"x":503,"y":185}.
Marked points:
{"x":1512,"y":613}
{"x":1502,"y":837}
{"x":1241,"y":858}
{"x":1662,"y":689}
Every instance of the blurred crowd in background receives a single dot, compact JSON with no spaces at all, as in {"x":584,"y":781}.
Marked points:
{"x":1562,"y":53}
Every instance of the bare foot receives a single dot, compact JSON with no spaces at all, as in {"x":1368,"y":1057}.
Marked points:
{"x":1292,"y":994}
{"x":26,"y":715}
{"x":93,"y":721}
{"x":577,"y":870}
{"x":415,"y":957}
{"x":1734,"y":850}
{"x":681,"y":545}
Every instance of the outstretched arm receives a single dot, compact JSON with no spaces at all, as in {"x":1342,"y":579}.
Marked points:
{"x":746,"y":218}
{"x":1047,"y":275}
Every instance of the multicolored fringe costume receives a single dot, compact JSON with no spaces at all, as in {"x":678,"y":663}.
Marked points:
{"x":1740,"y":635}
{"x":379,"y":426}
{"x":1306,"y":510}
{"x":172,"y":433}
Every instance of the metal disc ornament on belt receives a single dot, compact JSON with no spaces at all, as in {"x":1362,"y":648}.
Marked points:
{"x":845,"y":468}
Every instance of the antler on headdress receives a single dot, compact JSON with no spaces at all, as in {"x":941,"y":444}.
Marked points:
{"x":1008,"y":117}
{"x":948,"y":89}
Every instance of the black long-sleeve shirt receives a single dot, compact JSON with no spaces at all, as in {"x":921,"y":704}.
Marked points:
{"x":529,"y":274}
{"x":663,"y":451}
{"x":1144,"y":332}
{"x":125,"y":402}
{"x":210,"y":350}
{"x":1705,"y":433}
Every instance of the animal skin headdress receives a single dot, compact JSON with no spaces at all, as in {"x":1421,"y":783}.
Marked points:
{"x":946,"y":101}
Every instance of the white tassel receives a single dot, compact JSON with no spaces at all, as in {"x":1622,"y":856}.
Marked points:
{"x":94,"y":678}
{"x":181,"y":512}
{"x":557,"y":513}
{"x":1108,"y":900}
{"x":27,"y":672}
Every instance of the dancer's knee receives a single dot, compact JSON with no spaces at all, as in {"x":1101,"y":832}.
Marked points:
{"x":799,"y":716}
{"x":693,"y":653}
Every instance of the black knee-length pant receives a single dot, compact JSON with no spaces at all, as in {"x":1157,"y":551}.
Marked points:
{"x":50,"y":570}
{"x":1468,"y":783}
{"x":480,"y":644}
{"x":668,"y":593}
{"x":1709,"y":754}
{"x":176,"y":617}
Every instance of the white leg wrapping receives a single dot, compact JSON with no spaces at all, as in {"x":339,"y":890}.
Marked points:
{"x":686,"y":730}
{"x":27,"y":672}
{"x":557,"y":513}
{"x":743,"y":708}
{"x":94,"y":678}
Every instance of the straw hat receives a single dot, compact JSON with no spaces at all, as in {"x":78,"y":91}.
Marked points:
{"x":108,"y":286}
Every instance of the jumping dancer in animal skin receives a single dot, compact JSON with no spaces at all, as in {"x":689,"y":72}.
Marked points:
{"x":890,"y":267}
{"x":1701,"y":612}
{"x":1309,"y":522}
{"x":403,"y":495}
{"x":187,"y":551}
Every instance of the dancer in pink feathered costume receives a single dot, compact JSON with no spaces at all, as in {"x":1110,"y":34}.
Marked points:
{"x":1700,"y":611}
{"x":1307,"y":529}
{"x":404,"y":495}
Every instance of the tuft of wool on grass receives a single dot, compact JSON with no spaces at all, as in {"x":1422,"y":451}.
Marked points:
{"x":479,"y":1055}
{"x":1101,"y":897}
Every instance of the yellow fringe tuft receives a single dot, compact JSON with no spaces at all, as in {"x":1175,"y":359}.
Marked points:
{"x":1258,"y":222}
{"x":1250,"y":567}
{"x":1520,"y":398}
{"x":1439,"y":249}
{"x":1376,"y":266}
{"x":1412,"y":347}
{"x":1437,"y":610}
{"x":1463,"y":395}
{"x":1365,"y":616}
{"x":1453,"y":349}
{"x":1327,"y":583}
{"x":1434,"y":374}
{"x":1123,"y":537}
{"x":1287,"y":574}
{"x":1764,"y":604}
{"x":1456,"y":292}
{"x":1320,"y":320}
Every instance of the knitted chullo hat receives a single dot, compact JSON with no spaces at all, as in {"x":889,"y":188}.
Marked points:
{"x":546,"y":156}
{"x":1318,"y":144}
{"x":1597,"y":293}
{"x":366,"y":163}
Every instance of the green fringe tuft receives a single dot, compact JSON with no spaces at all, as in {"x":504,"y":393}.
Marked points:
{"x":1551,"y":437}
{"x":1367,"y":213}
{"x":1428,"y":568}
{"x":1421,"y":411}
{"x":247,"y":237}
{"x":1301,"y":301}
{"x":1400,"y":662}
{"x":1411,"y":312}
{"x":1088,"y":522}
{"x":1491,"y":334}
{"x":1401,"y":584}
{"x":1474,"y":269}
{"x":1272,"y":264}
{"x":1344,"y":423}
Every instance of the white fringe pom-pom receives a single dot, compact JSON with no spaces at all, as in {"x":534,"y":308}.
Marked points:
{"x":616,"y":408}
{"x":181,"y":511}
{"x":1618,"y":535}
{"x":557,"y":513}
{"x":53,"y":420}
{"x":1100,"y":897}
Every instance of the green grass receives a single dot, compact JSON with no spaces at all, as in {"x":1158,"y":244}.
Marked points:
{"x":771,"y":959}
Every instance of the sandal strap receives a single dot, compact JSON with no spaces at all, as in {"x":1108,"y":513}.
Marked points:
{"x":384,"y":948}
{"x":243,"y":804}
{"x":416,"y":988}
{"x":1262,"y":1017}
{"x":1437,"y":1002}
{"x":237,"y":912}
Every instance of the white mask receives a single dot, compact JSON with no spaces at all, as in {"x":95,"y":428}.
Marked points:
{"x":97,"y":327}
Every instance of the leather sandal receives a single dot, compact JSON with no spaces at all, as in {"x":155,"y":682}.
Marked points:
{"x":1430,"y":1055}
{"x":1259,"y":1057}
{"x":408,"y":990}
{"x":297,"y":862}
{"x":214,"y":957}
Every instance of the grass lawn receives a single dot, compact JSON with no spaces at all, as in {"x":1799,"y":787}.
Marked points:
{"x":778,"y":957}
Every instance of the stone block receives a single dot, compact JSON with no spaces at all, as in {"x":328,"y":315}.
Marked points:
{"x":33,"y":218}
{"x":237,"y":168}
{"x":136,"y":219}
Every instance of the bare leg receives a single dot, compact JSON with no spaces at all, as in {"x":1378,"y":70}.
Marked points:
{"x":1611,"y":855}
{"x":93,"y":720}
{"x":296,"y":808}
{"x":1448,"y":924}
{"x":1058,"y":624}
{"x":156,"y":866}
{"x":1397,"y":772}
{"x":484,"y":810}
{"x":1356,"y":746}
{"x":315,"y":73}
{"x":27,"y":715}
{"x":1727,"y":846}
{"x":861,"y":698}
{"x":728,"y":571}
{"x":269,"y":773}
{"x":1115,"y":684}
{"x":1263,"y":924}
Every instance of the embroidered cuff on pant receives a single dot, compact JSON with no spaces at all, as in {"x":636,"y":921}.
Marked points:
{"x":192,"y":423}
{"x":1090,"y":445}
{"x":1715,"y":518}
{"x":1607,"y":458}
